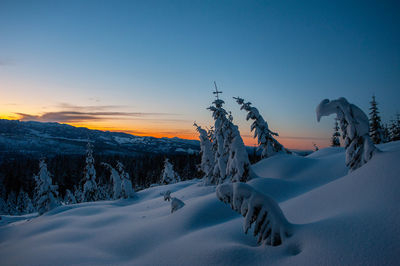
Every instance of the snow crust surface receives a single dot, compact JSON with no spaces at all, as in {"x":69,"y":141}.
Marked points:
{"x":338,"y":219}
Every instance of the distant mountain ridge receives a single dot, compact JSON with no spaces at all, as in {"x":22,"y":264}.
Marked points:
{"x":47,"y":139}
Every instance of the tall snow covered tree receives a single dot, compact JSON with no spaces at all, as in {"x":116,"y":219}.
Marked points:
{"x":335,"y":140}
{"x":116,"y":180}
{"x":265,"y":137}
{"x":375,"y":126}
{"x":355,"y":130}
{"x":90,"y":186}
{"x":126,"y":184}
{"x":207,"y":155}
{"x":168,"y":175}
{"x":46,"y":192}
{"x":230,"y":156}
{"x":221,"y":151}
{"x":238,"y":165}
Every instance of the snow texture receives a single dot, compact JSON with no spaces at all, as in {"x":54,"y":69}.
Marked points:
{"x":270,"y":225}
{"x":355,"y":128}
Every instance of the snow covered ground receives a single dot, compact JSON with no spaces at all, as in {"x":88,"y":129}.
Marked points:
{"x":340,"y":219}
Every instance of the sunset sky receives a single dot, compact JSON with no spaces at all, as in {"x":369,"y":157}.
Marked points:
{"x":148,"y":67}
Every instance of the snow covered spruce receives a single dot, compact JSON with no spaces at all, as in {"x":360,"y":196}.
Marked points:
{"x":126,"y":184}
{"x":231,"y":160}
{"x":90,"y":190}
{"x":168,"y":175}
{"x":122,"y":185}
{"x":270,"y":225}
{"x":355,"y":130}
{"x":265,"y":137}
{"x":46,"y":192}
{"x":206,"y":152}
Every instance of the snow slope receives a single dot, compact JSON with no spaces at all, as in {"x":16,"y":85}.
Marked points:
{"x":340,"y":219}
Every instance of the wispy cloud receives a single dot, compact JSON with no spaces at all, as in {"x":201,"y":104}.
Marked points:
{"x":77,"y":116}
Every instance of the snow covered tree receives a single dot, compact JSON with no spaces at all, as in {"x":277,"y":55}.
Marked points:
{"x":270,"y":225}
{"x":90,"y":192}
{"x":386,"y":133}
{"x":355,"y":130}
{"x":238,"y":165}
{"x":335,"y":140}
{"x":395,"y":128}
{"x":116,"y":180}
{"x":105,"y":192}
{"x":78,"y":194}
{"x":3,"y":206}
{"x":12,"y":203}
{"x":315,"y":147}
{"x":230,"y":156}
{"x":265,"y":137}
{"x":375,"y":126}
{"x":207,"y":155}
{"x":46,"y":192}
{"x":69,"y":197}
{"x":221,"y":151}
{"x":24,"y":203}
{"x":126,"y":184}
{"x":168,"y":175}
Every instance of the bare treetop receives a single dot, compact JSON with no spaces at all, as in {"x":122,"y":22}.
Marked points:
{"x":216,"y":90}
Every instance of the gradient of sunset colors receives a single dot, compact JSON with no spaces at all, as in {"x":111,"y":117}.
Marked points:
{"x":147,"y":67}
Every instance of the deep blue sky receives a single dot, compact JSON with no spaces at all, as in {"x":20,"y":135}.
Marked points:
{"x":160,"y":58}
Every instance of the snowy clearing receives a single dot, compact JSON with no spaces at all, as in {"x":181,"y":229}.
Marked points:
{"x":337,"y":218}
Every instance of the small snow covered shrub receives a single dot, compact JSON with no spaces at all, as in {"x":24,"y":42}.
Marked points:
{"x":69,"y":197}
{"x":354,"y":124}
{"x":269,"y":222}
{"x":176,"y":203}
{"x":167,"y":195}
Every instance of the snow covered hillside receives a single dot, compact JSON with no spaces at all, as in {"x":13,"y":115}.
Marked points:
{"x":338,"y":219}
{"x":35,"y":138}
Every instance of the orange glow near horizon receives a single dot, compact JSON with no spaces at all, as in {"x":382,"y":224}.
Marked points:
{"x":140,"y":128}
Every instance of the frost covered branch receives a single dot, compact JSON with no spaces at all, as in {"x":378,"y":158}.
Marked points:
{"x":355,"y":128}
{"x":269,"y":222}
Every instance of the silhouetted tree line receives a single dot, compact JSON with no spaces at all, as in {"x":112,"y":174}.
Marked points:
{"x":17,"y":172}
